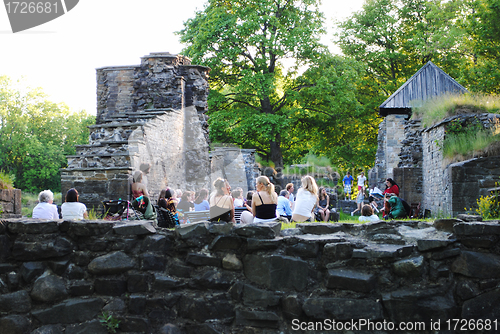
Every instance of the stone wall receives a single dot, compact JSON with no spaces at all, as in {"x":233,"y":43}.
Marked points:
{"x":59,"y":276}
{"x":390,"y":137}
{"x":10,"y":203}
{"x":153,"y":113}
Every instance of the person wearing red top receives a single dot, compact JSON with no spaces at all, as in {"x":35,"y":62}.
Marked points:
{"x":392,"y":189}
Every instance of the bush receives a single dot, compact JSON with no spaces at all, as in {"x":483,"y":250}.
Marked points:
{"x":6,"y":180}
{"x":489,"y":206}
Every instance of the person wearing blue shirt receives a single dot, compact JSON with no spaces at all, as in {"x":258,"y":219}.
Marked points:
{"x":347,"y":181}
{"x":283,"y":207}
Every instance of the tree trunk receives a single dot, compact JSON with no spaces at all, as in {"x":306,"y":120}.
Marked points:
{"x":276,"y":155}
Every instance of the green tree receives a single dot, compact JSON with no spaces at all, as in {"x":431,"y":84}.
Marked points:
{"x":483,"y":26}
{"x":246,"y":44}
{"x":397,"y":37}
{"x":36,"y":135}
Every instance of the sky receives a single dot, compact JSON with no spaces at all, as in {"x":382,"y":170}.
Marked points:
{"x":61,"y":56}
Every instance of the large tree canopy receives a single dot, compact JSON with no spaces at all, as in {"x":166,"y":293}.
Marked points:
{"x":36,"y":135}
{"x":255,"y":49}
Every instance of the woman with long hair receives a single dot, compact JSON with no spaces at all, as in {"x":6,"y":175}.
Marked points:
{"x":71,"y":208}
{"x":221,"y":202}
{"x":323,"y":204}
{"x":264,"y":201}
{"x":391,"y":189}
{"x":138,"y":188}
{"x":306,"y":200}
{"x":200,"y":201}
{"x":167,"y":201}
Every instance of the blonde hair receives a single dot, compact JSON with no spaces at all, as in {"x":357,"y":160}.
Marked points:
{"x":138,"y":176}
{"x":309,"y":184}
{"x":264,"y":180}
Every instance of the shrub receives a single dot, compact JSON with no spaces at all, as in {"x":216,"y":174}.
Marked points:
{"x":489,"y":206}
{"x":6,"y":180}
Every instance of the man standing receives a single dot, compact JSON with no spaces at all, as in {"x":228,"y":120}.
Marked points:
{"x":361,"y":181}
{"x":347,"y":181}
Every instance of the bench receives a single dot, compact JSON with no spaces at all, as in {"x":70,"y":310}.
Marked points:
{"x":197,"y":216}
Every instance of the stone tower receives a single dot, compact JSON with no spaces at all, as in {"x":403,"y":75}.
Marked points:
{"x":152,"y":113}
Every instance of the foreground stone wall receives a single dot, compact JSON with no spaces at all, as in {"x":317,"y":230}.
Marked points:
{"x":59,"y":276}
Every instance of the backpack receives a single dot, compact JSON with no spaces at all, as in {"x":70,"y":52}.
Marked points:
{"x":166,"y":218}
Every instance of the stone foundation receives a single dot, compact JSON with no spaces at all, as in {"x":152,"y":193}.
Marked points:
{"x":10,"y":203}
{"x":59,"y":276}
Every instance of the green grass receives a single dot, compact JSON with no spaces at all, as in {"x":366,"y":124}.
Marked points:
{"x":468,"y":144}
{"x":436,"y":109}
{"x":6,"y":180}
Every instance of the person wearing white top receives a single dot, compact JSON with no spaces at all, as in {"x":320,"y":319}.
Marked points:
{"x":361,"y":181}
{"x":45,"y":209}
{"x":71,"y":208}
{"x":306,"y":200}
{"x":291,"y":197}
{"x":367,"y":214}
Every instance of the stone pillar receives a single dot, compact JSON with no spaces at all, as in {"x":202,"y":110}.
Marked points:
{"x":10,"y":203}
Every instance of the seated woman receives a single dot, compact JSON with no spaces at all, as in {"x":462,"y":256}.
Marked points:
{"x":237,"y":198}
{"x":200,"y":202}
{"x":71,"y":208}
{"x":323,"y":204}
{"x":306,"y":200}
{"x":167,"y":201}
{"x":397,"y":208}
{"x":138,"y":188}
{"x":391,"y":189}
{"x":185,"y":205}
{"x":45,"y":209}
{"x":221,"y":202}
{"x":264,"y":201}
{"x":367,"y":214}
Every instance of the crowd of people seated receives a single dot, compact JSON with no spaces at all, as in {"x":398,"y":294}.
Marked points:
{"x":261,"y":205}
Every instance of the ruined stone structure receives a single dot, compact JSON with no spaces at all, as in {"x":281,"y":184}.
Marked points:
{"x":60,"y":276}
{"x":413,"y":157}
{"x":152,"y":113}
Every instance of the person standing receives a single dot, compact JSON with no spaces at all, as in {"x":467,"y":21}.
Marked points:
{"x":361,"y":181}
{"x":347,"y":182}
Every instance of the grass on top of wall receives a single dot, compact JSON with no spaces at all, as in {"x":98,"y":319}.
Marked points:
{"x":438,"y":108}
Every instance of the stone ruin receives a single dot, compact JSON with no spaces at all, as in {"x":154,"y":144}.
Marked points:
{"x":412,"y":155}
{"x":60,"y":276}
{"x":153,"y":113}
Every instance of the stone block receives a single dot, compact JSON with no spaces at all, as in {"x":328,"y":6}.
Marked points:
{"x":412,"y":305}
{"x":231,"y":262}
{"x":429,"y":244}
{"x":137,"y":304}
{"x":320,"y":228}
{"x":155,"y":243}
{"x":216,"y":306}
{"x":342,"y":309}
{"x":48,"y":289}
{"x":70,"y":311}
{"x":187,"y":231}
{"x":89,"y":228}
{"x":203,"y":260}
{"x":4,"y":248}
{"x":152,"y":262}
{"x":412,"y":267}
{"x":478,"y":265}
{"x":350,"y":279}
{"x":31,"y":270}
{"x":484,"y":306}
{"x":137,"y":283}
{"x":110,"y":286}
{"x":261,"y":319}
{"x":80,"y":288}
{"x":18,"y":302}
{"x":135,"y":324}
{"x":33,"y":226}
{"x":50,"y":247}
{"x":446,"y":225}
{"x":292,"y":308}
{"x":14,"y":324}
{"x":259,"y":298}
{"x":112,"y":263}
{"x":276,"y":272}
{"x":254,"y":244}
{"x":165,"y":283}
{"x":89,"y":327}
{"x":336,"y":251}
{"x":476,"y":229}
{"x":134,"y":228}
{"x":49,"y":329}
{"x":223,"y":242}
{"x":260,"y":230}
